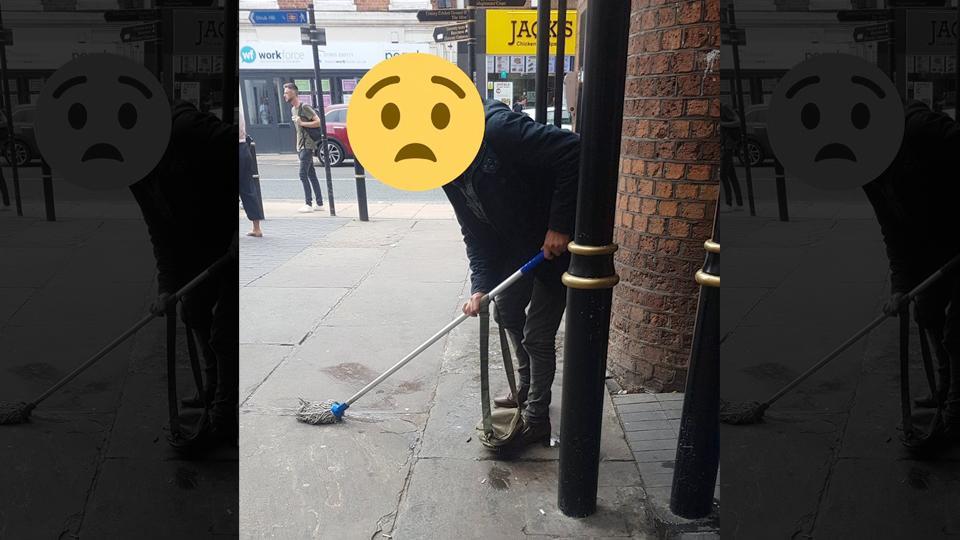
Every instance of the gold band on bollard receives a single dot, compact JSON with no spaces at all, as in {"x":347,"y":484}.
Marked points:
{"x":575,"y":282}
{"x":707,"y":280}
{"x":711,"y":246}
{"x":590,"y":251}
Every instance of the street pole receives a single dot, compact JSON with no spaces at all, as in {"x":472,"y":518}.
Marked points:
{"x":230,"y":14}
{"x":472,"y":42}
{"x":8,"y":110}
{"x":361,"y":179}
{"x":560,"y":55}
{"x":781,"y":190}
{"x":543,"y":62}
{"x":318,"y":88}
{"x":698,"y":445}
{"x":738,"y":86}
{"x":591,"y":275}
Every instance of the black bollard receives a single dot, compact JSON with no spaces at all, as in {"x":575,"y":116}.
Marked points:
{"x":47,"y":176}
{"x":591,"y":275}
{"x":781,"y":191}
{"x":361,"y":189}
{"x":698,"y":447}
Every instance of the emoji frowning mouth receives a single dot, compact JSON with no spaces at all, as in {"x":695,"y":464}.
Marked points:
{"x":415,"y":151}
{"x":835,"y":151}
{"x":102,"y":151}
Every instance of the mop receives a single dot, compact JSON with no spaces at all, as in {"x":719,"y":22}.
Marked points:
{"x":751,"y":412}
{"x":331,"y":412}
{"x":19,"y":412}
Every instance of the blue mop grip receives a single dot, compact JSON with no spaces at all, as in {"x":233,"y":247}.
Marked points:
{"x":531,"y":264}
{"x":338,"y":409}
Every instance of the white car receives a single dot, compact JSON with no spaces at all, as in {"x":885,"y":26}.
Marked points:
{"x":564,"y":117}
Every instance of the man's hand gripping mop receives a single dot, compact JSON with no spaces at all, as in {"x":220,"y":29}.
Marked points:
{"x":331,"y":412}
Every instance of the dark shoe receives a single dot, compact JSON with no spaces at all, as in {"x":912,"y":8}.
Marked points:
{"x":510,"y":402}
{"x":211,"y":435}
{"x":531,"y":433}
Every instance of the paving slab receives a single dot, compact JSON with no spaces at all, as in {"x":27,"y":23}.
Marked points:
{"x":323,"y":267}
{"x":258,"y":362}
{"x":283,"y":315}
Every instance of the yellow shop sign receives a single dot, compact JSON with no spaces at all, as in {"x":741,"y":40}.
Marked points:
{"x":515,"y":32}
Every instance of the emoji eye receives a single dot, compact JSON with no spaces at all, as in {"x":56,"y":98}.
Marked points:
{"x":127,"y":116}
{"x":390,"y":116}
{"x":440,"y":115}
{"x":860,"y":115}
{"x":77,"y":115}
{"x":810,"y":116}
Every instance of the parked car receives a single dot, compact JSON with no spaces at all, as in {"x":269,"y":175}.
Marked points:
{"x":565,"y":119}
{"x":24,"y":145}
{"x":338,"y":143}
{"x":758,"y":143}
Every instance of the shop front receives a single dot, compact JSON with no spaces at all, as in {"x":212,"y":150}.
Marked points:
{"x":511,"y":48}
{"x":194,"y":47}
{"x":929,"y":57}
{"x":265,"y":67}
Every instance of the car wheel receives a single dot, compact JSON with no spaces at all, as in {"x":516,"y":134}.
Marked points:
{"x":754,"y":151}
{"x":20,"y":150}
{"x":335,"y":151}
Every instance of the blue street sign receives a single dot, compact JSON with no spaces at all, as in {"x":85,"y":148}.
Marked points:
{"x":278,"y":16}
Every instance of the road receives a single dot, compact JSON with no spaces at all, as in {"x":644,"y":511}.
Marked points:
{"x":280,"y":180}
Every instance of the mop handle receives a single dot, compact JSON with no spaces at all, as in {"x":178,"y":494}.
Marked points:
{"x":525,"y":269}
{"x":936,"y":276}
{"x":132,"y":330}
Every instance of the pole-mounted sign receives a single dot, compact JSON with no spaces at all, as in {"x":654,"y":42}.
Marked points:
{"x":456,"y":32}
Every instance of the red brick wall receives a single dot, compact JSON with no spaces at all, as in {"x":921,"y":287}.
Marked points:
{"x":373,"y":5}
{"x":668,"y":188}
{"x":293,"y":4}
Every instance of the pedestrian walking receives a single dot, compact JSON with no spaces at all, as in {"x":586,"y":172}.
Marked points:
{"x":517,"y":197}
{"x":187,"y":204}
{"x":303,"y":116}
{"x":252,"y":205}
{"x":915,"y":203}
{"x":729,"y":136}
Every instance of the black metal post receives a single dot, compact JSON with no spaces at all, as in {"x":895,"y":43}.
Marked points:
{"x":591,"y":276}
{"x":781,"y":191}
{"x":543,"y":61}
{"x":228,"y":102}
{"x":740,"y":112}
{"x":561,"y":57}
{"x":47,"y":176}
{"x":8,"y":110}
{"x":471,"y":43}
{"x":318,"y":87}
{"x":256,"y":175}
{"x":698,"y":447}
{"x":361,"y":189}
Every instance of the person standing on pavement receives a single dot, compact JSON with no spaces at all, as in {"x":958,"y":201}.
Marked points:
{"x":729,"y":135}
{"x":187,"y":202}
{"x":915,"y":201}
{"x":519,"y":196}
{"x":303,"y":116}
{"x":252,"y":205}
{"x":519,"y":104}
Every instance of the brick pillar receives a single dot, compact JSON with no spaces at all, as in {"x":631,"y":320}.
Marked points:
{"x":668,"y":188}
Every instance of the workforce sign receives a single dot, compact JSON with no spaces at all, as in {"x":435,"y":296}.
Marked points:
{"x":515,"y":32}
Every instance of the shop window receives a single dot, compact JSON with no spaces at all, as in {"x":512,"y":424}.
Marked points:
{"x":261,"y":102}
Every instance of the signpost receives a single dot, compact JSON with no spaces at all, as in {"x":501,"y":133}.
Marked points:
{"x":440,"y":15}
{"x":318,"y":87}
{"x":499,"y":3}
{"x":140,"y":32}
{"x":456,"y":32}
{"x":873,"y":32}
{"x":278,"y":17}
{"x":313,"y":36}
{"x":854,"y":15}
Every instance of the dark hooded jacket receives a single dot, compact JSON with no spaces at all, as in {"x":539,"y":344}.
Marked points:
{"x":189,"y":200}
{"x":916,"y":199}
{"x":522,"y":182}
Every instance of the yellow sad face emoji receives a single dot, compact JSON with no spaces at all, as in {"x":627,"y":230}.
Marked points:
{"x":415,"y":121}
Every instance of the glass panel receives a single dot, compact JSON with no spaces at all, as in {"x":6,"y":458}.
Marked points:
{"x":261,"y":103}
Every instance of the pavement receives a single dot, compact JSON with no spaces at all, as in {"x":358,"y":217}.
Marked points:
{"x":93,"y":462}
{"x":328,"y":303}
{"x":827,"y":461}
